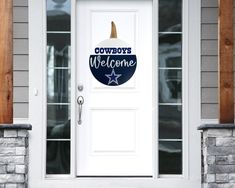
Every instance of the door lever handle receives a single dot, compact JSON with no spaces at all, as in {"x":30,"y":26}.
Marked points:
{"x":80,"y":101}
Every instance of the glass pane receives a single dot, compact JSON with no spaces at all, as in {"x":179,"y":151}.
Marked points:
{"x":170,"y":50}
{"x":58,"y":157}
{"x":58,"y":86}
{"x":170,"y":122}
{"x":58,"y":15}
{"x":58,"y":50}
{"x":170,"y":86}
{"x":170,"y":15}
{"x":58,"y":121}
{"x":170,"y":157}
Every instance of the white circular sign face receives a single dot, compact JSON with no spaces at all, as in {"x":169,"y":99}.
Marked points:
{"x":112,"y":62}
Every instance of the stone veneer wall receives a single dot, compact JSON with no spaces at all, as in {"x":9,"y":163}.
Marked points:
{"x":218,"y":150}
{"x":14,"y":156}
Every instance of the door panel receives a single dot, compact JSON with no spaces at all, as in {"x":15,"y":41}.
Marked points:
{"x":115,"y":137}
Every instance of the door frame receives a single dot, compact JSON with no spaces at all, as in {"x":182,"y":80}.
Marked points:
{"x":37,"y":98}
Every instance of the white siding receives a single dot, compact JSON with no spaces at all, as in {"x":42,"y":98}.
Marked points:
{"x":20,"y":58}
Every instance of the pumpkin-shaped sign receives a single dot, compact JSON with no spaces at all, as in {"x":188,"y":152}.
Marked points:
{"x":113,"y":62}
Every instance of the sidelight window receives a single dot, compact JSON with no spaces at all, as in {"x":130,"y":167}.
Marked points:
{"x":170,"y":87}
{"x":58,"y":87}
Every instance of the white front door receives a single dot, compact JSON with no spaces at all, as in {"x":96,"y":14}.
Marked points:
{"x":115,"y":135}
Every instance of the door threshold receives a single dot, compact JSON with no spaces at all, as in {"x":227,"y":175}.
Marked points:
{"x":114,"y":176}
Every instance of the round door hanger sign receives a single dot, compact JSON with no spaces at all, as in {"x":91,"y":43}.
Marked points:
{"x":113,"y":62}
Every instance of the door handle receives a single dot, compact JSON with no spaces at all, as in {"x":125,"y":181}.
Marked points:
{"x":80,"y":101}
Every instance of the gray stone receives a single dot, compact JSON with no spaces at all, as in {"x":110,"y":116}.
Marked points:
{"x":223,"y":178}
{"x":205,"y":153}
{"x":10,"y":133}
{"x":20,"y":151}
{"x":210,"y":178}
{"x":231,"y":159}
{"x":19,"y":159}
{"x":11,"y":185}
{"x":7,"y":151}
{"x":210,"y":141}
{"x":219,"y":132}
{"x":231,"y":178}
{"x":203,"y":185}
{"x":226,"y":185}
{"x":2,"y":169}
{"x":211,"y":169}
{"x":203,"y":178}
{"x":26,"y":142}
{"x":210,"y":159}
{"x":234,"y":132}
{"x":228,"y":141}
{"x":204,"y":135}
{"x":12,"y":159}
{"x":205,"y":168}
{"x":211,"y":185}
{"x":22,"y":133}
{"x":11,"y":168}
{"x":11,"y":178}
{"x":12,"y":142}
{"x":20,"y":169}
{"x":221,"y":160}
{"x":221,"y":150}
{"x":220,"y":169}
{"x":22,"y":185}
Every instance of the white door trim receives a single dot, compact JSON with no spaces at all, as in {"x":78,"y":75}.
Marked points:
{"x":37,"y":59}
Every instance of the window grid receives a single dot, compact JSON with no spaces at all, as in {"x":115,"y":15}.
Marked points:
{"x":58,"y":87}
{"x":170,"y":87}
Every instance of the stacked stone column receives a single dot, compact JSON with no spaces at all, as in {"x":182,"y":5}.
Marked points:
{"x":14,"y":156}
{"x":218,"y":156}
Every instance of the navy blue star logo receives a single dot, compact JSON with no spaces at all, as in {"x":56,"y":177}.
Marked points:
{"x":113,"y":77}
